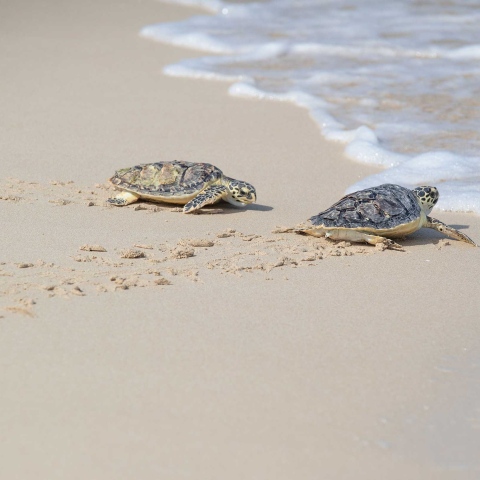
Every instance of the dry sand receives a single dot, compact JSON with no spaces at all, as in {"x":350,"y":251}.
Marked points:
{"x":139,"y":342}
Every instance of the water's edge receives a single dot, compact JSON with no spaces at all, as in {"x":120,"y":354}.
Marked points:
{"x":456,"y":174}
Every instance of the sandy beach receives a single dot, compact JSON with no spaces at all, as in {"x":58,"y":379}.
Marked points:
{"x":140,"y":342}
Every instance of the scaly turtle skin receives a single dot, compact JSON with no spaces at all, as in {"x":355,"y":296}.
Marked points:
{"x":377,"y":214}
{"x":191,"y":184}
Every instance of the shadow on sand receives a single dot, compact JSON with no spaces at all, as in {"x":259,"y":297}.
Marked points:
{"x":427,"y":236}
{"x":222,"y":208}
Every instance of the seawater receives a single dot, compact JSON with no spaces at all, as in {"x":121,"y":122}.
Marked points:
{"x":398,"y":82}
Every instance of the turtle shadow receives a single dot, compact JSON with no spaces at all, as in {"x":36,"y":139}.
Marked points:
{"x":421,"y":240}
{"x":226,"y":208}
{"x":428,"y":236}
{"x":259,"y":207}
{"x":459,"y":227}
{"x":221,"y":208}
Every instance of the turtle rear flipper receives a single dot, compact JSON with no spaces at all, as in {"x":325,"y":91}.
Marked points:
{"x":358,"y":236}
{"x":448,"y":231}
{"x":210,"y":195}
{"x":122,"y":199}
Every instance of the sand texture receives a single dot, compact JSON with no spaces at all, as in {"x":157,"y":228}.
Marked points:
{"x":140,"y":342}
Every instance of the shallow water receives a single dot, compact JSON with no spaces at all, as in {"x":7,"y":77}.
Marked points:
{"x":397,"y":82}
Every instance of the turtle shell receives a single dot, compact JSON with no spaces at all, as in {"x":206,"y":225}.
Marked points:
{"x":384,"y":207}
{"x":166,"y":179}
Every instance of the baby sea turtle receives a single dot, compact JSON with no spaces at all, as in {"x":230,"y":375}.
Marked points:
{"x":376,"y":214}
{"x":192,"y":184}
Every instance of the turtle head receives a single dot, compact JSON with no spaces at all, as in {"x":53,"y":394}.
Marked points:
{"x":427,"y":197}
{"x":240,"y":193}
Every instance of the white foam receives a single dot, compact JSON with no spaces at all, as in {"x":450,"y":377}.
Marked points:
{"x":457,"y":178}
{"x":397,"y":82}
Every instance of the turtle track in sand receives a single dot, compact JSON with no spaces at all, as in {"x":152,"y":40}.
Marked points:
{"x":95,"y":268}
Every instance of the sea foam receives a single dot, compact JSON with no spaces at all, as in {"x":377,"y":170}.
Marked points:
{"x":397,"y":82}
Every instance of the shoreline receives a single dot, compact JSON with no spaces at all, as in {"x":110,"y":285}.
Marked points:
{"x":405,"y":159}
{"x":351,"y":364}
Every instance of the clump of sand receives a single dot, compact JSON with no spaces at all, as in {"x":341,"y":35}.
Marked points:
{"x":199,"y":242}
{"x":227,"y":252}
{"x":131,"y":253}
{"x":182,"y":252}
{"x":93,"y":248}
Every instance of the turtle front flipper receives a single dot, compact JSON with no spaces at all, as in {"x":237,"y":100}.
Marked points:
{"x":210,"y":195}
{"x":448,"y":231}
{"x":122,"y":199}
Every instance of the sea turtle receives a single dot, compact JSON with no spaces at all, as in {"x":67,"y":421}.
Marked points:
{"x":192,"y":184}
{"x":376,"y":214}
